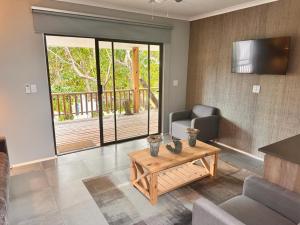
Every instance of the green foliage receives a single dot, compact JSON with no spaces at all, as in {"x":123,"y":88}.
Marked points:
{"x":65,"y":117}
{"x":74,"y":70}
{"x":64,"y":78}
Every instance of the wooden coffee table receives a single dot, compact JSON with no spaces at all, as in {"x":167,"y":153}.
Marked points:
{"x":154,"y":176}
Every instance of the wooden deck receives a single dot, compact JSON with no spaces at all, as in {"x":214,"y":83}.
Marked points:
{"x":84,"y":133}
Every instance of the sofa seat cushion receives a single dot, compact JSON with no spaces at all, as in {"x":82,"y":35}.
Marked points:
{"x":179,"y":128}
{"x":252,"y":212}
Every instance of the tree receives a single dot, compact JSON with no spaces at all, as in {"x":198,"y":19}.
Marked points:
{"x":74,"y":69}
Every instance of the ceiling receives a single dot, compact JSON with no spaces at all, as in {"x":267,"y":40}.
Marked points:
{"x":185,"y":10}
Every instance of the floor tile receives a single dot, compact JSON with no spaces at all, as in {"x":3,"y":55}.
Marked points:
{"x":26,"y":168}
{"x":52,"y":218}
{"x":63,"y":174}
{"x":31,"y":205}
{"x":86,"y":213}
{"x":71,"y":194}
{"x":27,"y":183}
{"x":107,"y":164}
{"x":61,"y":160}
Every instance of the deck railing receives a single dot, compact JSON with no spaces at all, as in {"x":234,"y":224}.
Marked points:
{"x":68,"y":105}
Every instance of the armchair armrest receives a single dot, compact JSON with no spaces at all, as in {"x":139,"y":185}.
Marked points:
{"x":178,"y":116}
{"x":208,"y":126}
{"x":206,"y":212}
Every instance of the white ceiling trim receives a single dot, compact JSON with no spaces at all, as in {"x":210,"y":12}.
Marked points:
{"x":145,"y":12}
{"x":231,"y":9}
{"x":200,"y":16}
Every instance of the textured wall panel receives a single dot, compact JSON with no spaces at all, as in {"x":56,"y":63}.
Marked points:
{"x":249,"y":121}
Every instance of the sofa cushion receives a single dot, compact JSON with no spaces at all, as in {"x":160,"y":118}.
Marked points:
{"x":179,"y":128}
{"x":203,"y":111}
{"x":281,"y":200}
{"x":252,"y":212}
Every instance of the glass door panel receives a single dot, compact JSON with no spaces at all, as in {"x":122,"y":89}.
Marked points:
{"x":131,"y":89}
{"x":154,"y":78}
{"x":74,"y":92}
{"x":108,"y":96}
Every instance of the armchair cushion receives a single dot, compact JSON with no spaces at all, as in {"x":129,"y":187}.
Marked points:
{"x":179,"y":128}
{"x":203,"y":111}
{"x":252,"y":212}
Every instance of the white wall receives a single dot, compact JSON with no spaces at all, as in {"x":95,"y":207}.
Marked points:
{"x":26,"y":119}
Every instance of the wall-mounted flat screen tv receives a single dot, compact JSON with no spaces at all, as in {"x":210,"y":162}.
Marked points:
{"x":261,"y":56}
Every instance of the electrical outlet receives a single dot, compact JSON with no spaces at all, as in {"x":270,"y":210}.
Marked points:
{"x":27,"y":89}
{"x":256,"y":89}
{"x":175,"y":83}
{"x":33,"y":88}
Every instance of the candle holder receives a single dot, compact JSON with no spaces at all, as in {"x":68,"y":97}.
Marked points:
{"x":154,"y":142}
{"x":192,"y":136}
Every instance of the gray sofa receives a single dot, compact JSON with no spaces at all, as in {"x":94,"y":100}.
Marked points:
{"x":262,"y":203}
{"x":202,"y":117}
{"x":4,"y":179}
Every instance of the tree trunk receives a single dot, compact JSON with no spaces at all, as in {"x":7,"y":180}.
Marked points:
{"x":153,"y":98}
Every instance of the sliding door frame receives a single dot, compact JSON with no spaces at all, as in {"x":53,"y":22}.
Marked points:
{"x":113,"y":41}
{"x":98,"y":70}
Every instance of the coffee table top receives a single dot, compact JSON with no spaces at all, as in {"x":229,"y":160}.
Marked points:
{"x":166,"y":159}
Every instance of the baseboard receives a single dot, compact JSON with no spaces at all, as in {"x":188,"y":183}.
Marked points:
{"x":31,"y":162}
{"x":239,"y":150}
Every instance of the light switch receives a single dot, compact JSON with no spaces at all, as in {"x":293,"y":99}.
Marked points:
{"x":33,"y":88}
{"x":27,"y":89}
{"x":256,"y":89}
{"x":175,"y":83}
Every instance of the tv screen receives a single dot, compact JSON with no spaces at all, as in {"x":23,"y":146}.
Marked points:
{"x":261,"y":56}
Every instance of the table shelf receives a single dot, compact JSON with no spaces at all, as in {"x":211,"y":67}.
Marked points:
{"x":179,"y":176}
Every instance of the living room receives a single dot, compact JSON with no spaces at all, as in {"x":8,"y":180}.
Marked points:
{"x":145,"y":79}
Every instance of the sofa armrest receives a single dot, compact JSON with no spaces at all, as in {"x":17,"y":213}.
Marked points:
{"x":183,"y":115}
{"x":208,"y":126}
{"x":281,"y":200}
{"x":3,"y":147}
{"x":206,"y":212}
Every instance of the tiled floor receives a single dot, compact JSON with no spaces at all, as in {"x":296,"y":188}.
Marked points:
{"x":52,"y":192}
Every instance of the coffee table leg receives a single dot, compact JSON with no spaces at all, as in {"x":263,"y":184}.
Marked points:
{"x":133,"y":172}
{"x":153,"y":188}
{"x":213,"y":164}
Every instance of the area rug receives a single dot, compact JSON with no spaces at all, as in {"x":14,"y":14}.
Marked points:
{"x":121,"y":204}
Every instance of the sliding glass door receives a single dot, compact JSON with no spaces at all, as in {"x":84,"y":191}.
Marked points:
{"x":102,"y":91}
{"x":130,"y":75}
{"x":73,"y":92}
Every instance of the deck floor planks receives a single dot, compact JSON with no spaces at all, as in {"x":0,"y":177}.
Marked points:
{"x":76,"y":135}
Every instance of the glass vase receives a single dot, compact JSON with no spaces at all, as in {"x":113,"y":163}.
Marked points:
{"x":154,"y":143}
{"x":192,"y":136}
{"x":192,"y":139}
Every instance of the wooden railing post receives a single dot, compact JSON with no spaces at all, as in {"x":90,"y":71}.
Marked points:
{"x":135,"y":79}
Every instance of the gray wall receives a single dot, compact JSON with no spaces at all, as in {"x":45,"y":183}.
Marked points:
{"x":25,"y":119}
{"x":249,"y":120}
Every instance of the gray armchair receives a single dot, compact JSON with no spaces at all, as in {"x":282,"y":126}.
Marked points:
{"x":262,"y":203}
{"x":202,"y":117}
